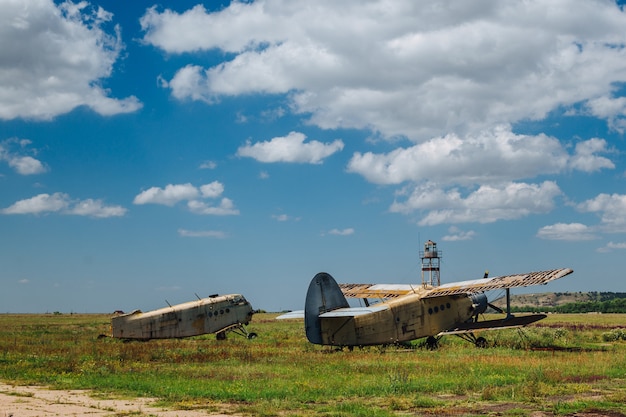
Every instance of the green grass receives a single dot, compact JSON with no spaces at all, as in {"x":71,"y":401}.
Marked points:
{"x":563,"y":366}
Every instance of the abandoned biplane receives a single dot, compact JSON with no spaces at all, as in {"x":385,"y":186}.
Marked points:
{"x":214,"y":314}
{"x":409,"y":312}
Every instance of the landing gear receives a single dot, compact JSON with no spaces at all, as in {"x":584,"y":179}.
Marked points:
{"x":238,"y":329}
{"x":479,"y":342}
{"x":432,"y":343}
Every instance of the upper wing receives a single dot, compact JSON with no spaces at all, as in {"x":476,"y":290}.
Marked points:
{"x":376,"y":290}
{"x":463,"y":287}
{"x":505,"y":281}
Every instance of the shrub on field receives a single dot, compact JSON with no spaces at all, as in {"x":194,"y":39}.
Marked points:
{"x":614,"y":335}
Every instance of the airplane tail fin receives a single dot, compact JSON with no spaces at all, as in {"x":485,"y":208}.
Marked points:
{"x":323,"y":295}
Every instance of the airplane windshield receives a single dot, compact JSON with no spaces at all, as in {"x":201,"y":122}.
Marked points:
{"x":239,"y":299}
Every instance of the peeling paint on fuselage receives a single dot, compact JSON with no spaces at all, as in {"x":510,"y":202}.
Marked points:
{"x":412,"y":317}
{"x":207,"y":315}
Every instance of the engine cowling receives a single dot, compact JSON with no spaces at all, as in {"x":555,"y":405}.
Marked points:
{"x":479,"y":303}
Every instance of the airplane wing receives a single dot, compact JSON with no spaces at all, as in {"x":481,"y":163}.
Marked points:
{"x":505,"y":323}
{"x":387,"y":291}
{"x":376,"y":290}
{"x":502,"y":282}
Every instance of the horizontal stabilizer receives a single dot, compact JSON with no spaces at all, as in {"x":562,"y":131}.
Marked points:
{"x":505,"y":323}
{"x":292,"y":315}
{"x":354,"y":311}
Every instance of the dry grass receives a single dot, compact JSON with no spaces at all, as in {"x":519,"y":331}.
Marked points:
{"x":561,"y":367}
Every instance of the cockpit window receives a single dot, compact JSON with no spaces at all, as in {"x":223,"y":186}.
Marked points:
{"x":239,"y":300}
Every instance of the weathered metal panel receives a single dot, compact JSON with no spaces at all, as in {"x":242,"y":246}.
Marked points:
{"x":207,"y":315}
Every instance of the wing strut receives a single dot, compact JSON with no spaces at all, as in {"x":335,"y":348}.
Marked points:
{"x":508,"y":304}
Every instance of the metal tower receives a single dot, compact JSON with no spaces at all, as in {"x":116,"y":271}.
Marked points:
{"x":430,"y":264}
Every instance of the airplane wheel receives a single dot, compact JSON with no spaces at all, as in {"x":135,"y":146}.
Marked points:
{"x":252,"y":335}
{"x":481,"y":342}
{"x":220,"y":336}
{"x":432,"y":343}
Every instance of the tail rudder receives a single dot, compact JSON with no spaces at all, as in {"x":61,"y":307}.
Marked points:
{"x":323,"y":295}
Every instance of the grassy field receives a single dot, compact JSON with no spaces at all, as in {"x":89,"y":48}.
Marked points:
{"x":568,"y":364}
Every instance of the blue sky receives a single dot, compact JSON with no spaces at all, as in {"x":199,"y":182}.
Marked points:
{"x":153,"y":151}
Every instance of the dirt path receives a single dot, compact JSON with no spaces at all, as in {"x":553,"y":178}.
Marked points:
{"x":30,"y":401}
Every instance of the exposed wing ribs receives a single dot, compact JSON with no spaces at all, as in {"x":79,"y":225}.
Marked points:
{"x":387,"y":291}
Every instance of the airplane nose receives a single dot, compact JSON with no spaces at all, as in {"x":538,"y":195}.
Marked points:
{"x":479,"y":303}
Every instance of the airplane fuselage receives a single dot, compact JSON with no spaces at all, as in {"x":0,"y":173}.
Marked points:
{"x":404,"y":319}
{"x":207,"y":315}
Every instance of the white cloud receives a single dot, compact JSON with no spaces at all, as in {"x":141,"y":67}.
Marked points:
{"x":405,"y":68}
{"x":96,"y":208}
{"x":62,"y":203}
{"x":341,"y":232}
{"x":290,"y":148}
{"x":495,"y":155}
{"x":175,"y":193}
{"x":212,"y":190}
{"x":455,"y":235}
{"x":487,"y":204}
{"x":27,"y":165}
{"x":611,"y":208}
{"x":612,"y":246}
{"x":170,"y":195}
{"x":584,"y":158}
{"x":54,"y":58}
{"x":202,"y":233}
{"x":567,"y":231}
{"x":41,"y":203}
{"x":22,"y":164}
{"x":208,"y":165}
{"x":225,"y":208}
{"x":610,"y":108}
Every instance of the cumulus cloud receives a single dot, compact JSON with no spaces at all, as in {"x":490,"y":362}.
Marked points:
{"x":585,"y":158}
{"x":454,"y":81}
{"x":224,"y":208}
{"x":62,"y":203}
{"x":455,"y":235}
{"x":341,"y":232}
{"x":168,"y":196}
{"x":175,"y":193}
{"x":567,"y":231}
{"x":611,"y":246}
{"x":611,"y":208}
{"x":17,"y":159}
{"x":290,"y":148}
{"x":54,"y":57}
{"x":487,"y":204}
{"x":495,"y":155}
{"x":408,"y":69}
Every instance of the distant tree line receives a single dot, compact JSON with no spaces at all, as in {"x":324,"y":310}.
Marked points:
{"x":602,"y":302}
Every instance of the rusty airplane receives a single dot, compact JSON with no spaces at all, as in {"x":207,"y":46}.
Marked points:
{"x":214,"y":314}
{"x":410,"y":312}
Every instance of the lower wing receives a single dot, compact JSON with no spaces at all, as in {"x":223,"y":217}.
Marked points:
{"x":505,"y":323}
